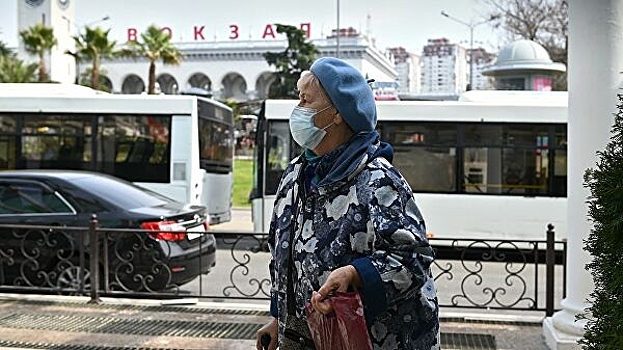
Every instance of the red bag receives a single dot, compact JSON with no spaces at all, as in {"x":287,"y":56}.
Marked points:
{"x":343,"y":329}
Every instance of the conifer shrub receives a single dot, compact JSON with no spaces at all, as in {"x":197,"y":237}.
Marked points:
{"x":604,"y":329}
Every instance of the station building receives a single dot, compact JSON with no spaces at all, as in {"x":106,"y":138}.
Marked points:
{"x":228,"y":69}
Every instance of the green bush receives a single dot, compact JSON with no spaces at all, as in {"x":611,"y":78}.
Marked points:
{"x":604,"y":330}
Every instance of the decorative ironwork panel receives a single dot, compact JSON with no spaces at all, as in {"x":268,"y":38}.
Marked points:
{"x":137,"y":263}
{"x":495,"y":274}
{"x":242,"y":248}
{"x":42,"y":258}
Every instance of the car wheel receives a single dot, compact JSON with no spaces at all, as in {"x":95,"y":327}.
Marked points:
{"x":68,"y":281}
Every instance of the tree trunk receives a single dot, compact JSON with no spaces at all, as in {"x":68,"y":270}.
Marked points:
{"x":151,"y":90}
{"x":95,"y":73}
{"x":43,"y":75}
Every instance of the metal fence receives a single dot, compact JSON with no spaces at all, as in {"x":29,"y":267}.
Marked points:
{"x":469,"y":273}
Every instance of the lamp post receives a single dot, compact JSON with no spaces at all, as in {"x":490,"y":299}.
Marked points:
{"x":105,"y":18}
{"x":337,"y":38}
{"x":471,"y":26}
{"x":78,"y":27}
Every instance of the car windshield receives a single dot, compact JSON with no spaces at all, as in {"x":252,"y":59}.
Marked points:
{"x":125,"y":195}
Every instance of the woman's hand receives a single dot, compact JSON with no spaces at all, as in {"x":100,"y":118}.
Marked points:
{"x":338,"y":281}
{"x":271,"y":329}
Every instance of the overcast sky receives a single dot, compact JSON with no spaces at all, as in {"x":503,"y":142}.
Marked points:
{"x":406,"y":23}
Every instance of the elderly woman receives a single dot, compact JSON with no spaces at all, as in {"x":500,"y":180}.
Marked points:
{"x":345,"y":219}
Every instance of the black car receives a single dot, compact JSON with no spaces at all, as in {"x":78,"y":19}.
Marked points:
{"x":153,"y":243}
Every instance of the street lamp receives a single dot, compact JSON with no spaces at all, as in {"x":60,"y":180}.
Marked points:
{"x":79,"y":27}
{"x":105,"y":18}
{"x":337,"y":38}
{"x":471,"y":26}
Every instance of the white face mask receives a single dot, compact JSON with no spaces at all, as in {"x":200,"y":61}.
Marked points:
{"x":303,"y":129}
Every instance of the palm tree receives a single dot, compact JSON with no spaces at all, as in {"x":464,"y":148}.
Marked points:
{"x":13,"y":70}
{"x":156,"y":45}
{"x":39,"y":40}
{"x":4,"y":50}
{"x":93,"y":45}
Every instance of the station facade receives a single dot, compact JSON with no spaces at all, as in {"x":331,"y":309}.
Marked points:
{"x":237,"y":70}
{"x":228,"y":69}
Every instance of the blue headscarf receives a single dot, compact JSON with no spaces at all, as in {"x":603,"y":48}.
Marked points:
{"x":340,"y":163}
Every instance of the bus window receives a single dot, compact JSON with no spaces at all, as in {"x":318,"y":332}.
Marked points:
{"x":215,"y":144}
{"x":139,"y":144}
{"x":506,"y":159}
{"x":425,"y":154}
{"x":54,"y":141}
{"x":559,"y":186}
{"x":140,"y":151}
{"x":279,"y":150}
{"x":559,"y":181}
{"x":216,"y":137}
{"x":8,"y":142}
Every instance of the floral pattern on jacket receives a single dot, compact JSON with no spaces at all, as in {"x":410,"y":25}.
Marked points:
{"x":369,"y":220}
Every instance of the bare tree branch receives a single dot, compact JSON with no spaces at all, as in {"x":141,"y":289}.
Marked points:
{"x":545,"y":22}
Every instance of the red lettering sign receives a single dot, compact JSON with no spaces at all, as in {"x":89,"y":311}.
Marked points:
{"x":306,"y":27}
{"x":168,"y":30}
{"x":233,"y":30}
{"x":132,"y":34}
{"x":199,"y":32}
{"x":268,"y":31}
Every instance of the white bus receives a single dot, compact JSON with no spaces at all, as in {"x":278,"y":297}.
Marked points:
{"x":179,"y":146}
{"x":477,"y":169}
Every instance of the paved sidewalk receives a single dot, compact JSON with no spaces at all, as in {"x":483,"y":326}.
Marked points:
{"x":70,"y":323}
{"x":45,"y":322}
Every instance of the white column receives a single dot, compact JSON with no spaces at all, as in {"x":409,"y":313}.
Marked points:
{"x":594,"y":75}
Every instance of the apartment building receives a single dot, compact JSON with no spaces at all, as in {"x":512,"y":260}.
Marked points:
{"x":407,"y":64}
{"x":444,"y":68}
{"x":482,"y":59}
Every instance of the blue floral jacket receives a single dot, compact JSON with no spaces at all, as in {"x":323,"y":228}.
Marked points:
{"x":368,"y":219}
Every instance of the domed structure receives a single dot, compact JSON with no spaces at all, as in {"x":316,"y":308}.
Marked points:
{"x":524,"y":65}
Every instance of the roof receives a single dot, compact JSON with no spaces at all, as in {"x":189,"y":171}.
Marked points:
{"x":523,"y":55}
{"x":68,"y":175}
{"x":48,"y":89}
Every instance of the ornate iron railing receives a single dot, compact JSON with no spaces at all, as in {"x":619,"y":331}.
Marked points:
{"x":500,"y":274}
{"x":469,"y":273}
